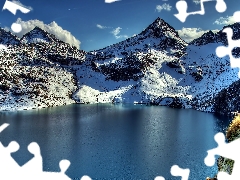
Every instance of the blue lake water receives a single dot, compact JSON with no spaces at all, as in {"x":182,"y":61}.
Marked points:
{"x":116,"y":141}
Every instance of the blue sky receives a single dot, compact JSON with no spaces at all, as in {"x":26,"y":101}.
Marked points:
{"x":94,"y":24}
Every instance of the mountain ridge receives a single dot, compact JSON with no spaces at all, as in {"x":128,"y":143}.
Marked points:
{"x":156,"y":67}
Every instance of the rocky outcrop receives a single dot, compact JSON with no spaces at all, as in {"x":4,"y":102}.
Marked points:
{"x":130,"y":67}
{"x":206,"y":38}
{"x":228,"y":100}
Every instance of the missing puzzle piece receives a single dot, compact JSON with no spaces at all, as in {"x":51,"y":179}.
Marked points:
{"x":13,"y":7}
{"x":227,"y":150}
{"x":222,"y":51}
{"x":5,"y":125}
{"x":177,"y":171}
{"x":64,"y":165}
{"x":182,"y":6}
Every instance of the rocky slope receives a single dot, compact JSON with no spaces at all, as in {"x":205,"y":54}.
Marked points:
{"x":228,"y":100}
{"x":33,"y":75}
{"x":146,"y":69}
{"x":7,"y":38}
{"x":156,"y":67}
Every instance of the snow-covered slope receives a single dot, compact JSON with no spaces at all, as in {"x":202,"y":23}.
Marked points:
{"x":165,"y":81}
{"x":174,"y":74}
{"x":155,"y":67}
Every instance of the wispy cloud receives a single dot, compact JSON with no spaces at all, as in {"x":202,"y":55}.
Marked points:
{"x":224,"y":21}
{"x":116,"y":33}
{"x":101,"y":27}
{"x":189,"y":34}
{"x":165,"y":7}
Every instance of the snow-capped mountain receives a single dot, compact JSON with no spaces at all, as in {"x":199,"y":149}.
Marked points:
{"x":35,"y":75}
{"x":156,"y":67}
{"x":206,"y":38}
{"x":146,"y":69}
{"x":219,"y":37}
{"x":38,"y":35}
{"x":157,"y":36}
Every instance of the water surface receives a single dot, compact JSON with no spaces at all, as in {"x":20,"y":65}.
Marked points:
{"x":108,"y":141}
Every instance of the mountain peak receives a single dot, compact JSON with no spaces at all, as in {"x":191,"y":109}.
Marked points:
{"x":220,"y":36}
{"x":160,"y":29}
{"x":208,"y":37}
{"x":158,"y":24}
{"x":38,"y":35}
{"x":158,"y":20}
{"x":38,"y":29}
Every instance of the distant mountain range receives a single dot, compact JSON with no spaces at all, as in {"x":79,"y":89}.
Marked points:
{"x":154,"y":67}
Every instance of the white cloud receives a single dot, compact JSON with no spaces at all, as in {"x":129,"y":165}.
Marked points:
{"x":189,"y":34}
{"x":20,"y":4}
{"x":52,"y":28}
{"x":101,"y":27}
{"x":196,"y":1}
{"x":225,"y":21}
{"x":165,"y":6}
{"x":116,"y":33}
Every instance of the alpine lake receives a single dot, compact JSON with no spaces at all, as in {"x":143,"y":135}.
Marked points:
{"x":121,"y":141}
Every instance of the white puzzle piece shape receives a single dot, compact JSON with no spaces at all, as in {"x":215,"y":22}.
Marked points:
{"x":177,"y":171}
{"x":182,"y":6}
{"x":227,"y":150}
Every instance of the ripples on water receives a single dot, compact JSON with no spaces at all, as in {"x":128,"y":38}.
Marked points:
{"x":116,"y":141}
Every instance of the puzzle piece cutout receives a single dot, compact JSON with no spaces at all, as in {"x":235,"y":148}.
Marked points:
{"x":33,"y":169}
{"x":159,"y":178}
{"x":8,"y":164}
{"x":227,"y":150}
{"x":182,"y":6}
{"x":86,"y":178}
{"x":3,"y":126}
{"x":13,"y":7}
{"x":177,"y":171}
{"x":35,"y":164}
{"x":222,"y":51}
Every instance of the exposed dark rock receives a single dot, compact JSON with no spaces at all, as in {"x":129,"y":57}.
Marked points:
{"x":228,"y":100}
{"x":197,"y":76}
{"x":174,"y":64}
